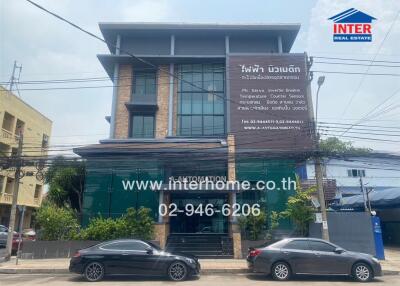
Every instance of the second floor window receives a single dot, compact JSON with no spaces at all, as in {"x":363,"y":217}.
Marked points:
{"x":355,"y":173}
{"x":142,"y":126}
{"x":144,"y":83}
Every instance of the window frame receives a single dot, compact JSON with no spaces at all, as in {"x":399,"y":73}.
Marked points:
{"x":298,"y":240}
{"x":146,"y":76}
{"x":104,"y":246}
{"x":203,"y":70}
{"x":321,"y":242}
{"x":358,"y":173}
{"x":132,"y":115}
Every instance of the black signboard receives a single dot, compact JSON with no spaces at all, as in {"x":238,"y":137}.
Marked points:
{"x":269,"y":107}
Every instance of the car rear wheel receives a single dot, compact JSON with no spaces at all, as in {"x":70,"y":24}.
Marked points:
{"x":281,"y":271}
{"x":362,"y":272}
{"x":177,"y":271}
{"x":94,"y":271}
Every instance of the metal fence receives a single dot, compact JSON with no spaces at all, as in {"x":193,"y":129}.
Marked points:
{"x":350,"y":230}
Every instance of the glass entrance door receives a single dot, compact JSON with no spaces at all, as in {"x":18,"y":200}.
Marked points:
{"x":186,"y":222}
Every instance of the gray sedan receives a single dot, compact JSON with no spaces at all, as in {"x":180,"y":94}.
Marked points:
{"x":313,"y":257}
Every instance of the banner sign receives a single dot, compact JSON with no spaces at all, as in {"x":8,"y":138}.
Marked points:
{"x":269,"y":107}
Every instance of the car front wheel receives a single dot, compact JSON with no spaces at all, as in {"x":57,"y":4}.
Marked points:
{"x":362,"y":272}
{"x":281,"y":271}
{"x":94,"y":271}
{"x":177,"y":271}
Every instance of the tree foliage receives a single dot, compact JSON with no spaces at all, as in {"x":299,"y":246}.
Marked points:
{"x":66,"y":183}
{"x":335,"y":145}
{"x":139,"y":223}
{"x":56,"y":223}
{"x":299,"y":209}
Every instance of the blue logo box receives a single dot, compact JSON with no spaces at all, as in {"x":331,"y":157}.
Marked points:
{"x":352,"y":37}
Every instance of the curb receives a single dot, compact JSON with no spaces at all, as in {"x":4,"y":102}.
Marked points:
{"x":203,"y":271}
{"x":33,"y":271}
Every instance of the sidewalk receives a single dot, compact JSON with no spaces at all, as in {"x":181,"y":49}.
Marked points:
{"x":391,"y":266}
{"x":42,"y":266}
{"x":392,"y":262}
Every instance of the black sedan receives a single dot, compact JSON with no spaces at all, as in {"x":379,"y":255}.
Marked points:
{"x":311,"y":256}
{"x":132,"y":257}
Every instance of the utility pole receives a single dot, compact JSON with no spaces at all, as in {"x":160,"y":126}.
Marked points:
{"x":363,"y":193}
{"x":318,"y":170}
{"x":18,"y":165}
{"x":13,"y":78}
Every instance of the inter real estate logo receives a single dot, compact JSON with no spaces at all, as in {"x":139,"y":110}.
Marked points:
{"x":352,"y":25}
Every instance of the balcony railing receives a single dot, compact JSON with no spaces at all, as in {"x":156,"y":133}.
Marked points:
{"x":8,"y":135}
{"x":6,"y":198}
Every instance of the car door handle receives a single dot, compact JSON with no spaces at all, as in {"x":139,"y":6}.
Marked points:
{"x":125,"y":254}
{"x":286,"y":252}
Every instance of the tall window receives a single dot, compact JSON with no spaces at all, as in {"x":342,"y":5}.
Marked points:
{"x":201,"y":104}
{"x":142,"y":126}
{"x":144,"y":83}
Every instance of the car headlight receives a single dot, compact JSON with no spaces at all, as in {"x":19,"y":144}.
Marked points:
{"x":375,"y":260}
{"x":190,"y":260}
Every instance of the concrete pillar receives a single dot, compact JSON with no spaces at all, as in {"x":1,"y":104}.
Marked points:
{"x":161,"y":228}
{"x":234,"y":230}
{"x":163,"y":94}
{"x":124,"y":95}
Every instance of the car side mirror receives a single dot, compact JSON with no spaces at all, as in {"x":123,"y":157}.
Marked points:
{"x":338,"y":250}
{"x":149,"y":250}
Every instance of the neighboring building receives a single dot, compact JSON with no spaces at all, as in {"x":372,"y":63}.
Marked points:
{"x":178,"y":118}
{"x":19,"y":117}
{"x":378,"y":171}
{"x":379,"y":174}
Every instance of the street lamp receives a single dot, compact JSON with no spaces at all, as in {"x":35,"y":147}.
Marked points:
{"x":321,"y":80}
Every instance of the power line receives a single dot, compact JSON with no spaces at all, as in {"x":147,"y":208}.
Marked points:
{"x":373,"y":109}
{"x":356,"y":60}
{"x":354,"y":64}
{"x":372,"y":61}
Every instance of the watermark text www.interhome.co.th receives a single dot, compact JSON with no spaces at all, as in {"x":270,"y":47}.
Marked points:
{"x":285,"y":184}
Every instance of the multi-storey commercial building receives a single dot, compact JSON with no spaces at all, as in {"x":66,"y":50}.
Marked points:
{"x":196,"y":102}
{"x":17,"y":117}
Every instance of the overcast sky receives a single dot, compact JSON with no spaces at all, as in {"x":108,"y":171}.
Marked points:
{"x":49,"y":49}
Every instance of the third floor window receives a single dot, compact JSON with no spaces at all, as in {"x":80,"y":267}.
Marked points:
{"x":201,"y":104}
{"x":144,"y":83}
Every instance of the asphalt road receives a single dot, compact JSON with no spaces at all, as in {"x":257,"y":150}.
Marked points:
{"x":205,"y":280}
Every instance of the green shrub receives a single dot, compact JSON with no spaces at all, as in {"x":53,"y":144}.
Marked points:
{"x":140,"y":224}
{"x":134,"y":224}
{"x":105,"y":229}
{"x":254,"y":225}
{"x":56,"y":223}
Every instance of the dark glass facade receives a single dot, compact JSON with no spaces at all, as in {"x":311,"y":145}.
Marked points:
{"x":201,"y":100}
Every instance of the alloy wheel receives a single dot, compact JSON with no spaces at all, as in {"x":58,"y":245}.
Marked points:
{"x":362,"y":272}
{"x":177,"y":271}
{"x":281,"y":271}
{"x":94,"y":272}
